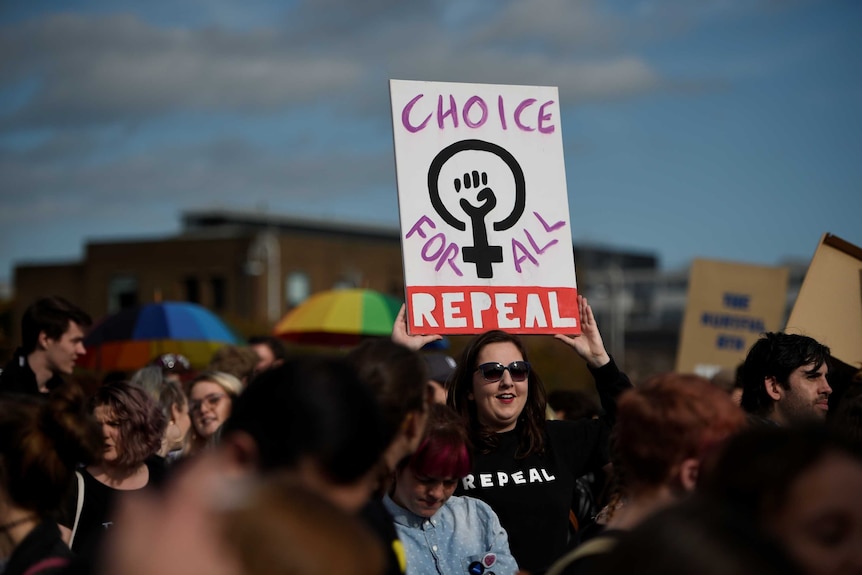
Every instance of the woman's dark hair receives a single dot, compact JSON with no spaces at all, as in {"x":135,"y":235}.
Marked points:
{"x":396,"y":375}
{"x":41,"y":442}
{"x":445,"y":447}
{"x":142,"y":422}
{"x":311,"y":407}
{"x":531,"y":421}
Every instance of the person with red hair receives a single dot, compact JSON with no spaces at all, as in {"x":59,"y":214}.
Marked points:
{"x":666,"y":431}
{"x":442,"y":533}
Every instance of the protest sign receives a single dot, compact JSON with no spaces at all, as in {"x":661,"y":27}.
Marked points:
{"x":829,"y":305}
{"x":729,"y":306}
{"x":484,"y":212}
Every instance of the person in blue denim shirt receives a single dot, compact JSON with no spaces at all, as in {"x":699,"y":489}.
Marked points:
{"x":442,"y":534}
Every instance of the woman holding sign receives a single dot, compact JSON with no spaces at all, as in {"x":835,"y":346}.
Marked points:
{"x":525,"y":466}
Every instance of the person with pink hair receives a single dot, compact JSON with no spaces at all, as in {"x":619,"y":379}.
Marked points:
{"x":442,"y":533}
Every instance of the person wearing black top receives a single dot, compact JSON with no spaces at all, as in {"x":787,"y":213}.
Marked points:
{"x":52,"y":335}
{"x":40,"y":443}
{"x":526,"y":466}
{"x":132,"y":427}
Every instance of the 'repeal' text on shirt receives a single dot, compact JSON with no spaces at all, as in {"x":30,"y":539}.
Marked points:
{"x":501,"y":478}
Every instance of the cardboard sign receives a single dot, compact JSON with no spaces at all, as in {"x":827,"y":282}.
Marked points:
{"x":729,"y":306}
{"x":829,"y":305}
{"x":484,"y":211}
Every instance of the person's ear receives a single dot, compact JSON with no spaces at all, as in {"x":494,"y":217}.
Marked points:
{"x":42,"y":340}
{"x":688,"y":472}
{"x":773,"y":388}
{"x":471,"y":397}
{"x":240,"y":452}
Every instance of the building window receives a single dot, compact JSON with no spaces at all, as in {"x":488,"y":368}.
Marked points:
{"x":218,"y":285}
{"x":193,"y":289}
{"x":297,"y":288}
{"x":122,"y":293}
{"x":351,"y":278}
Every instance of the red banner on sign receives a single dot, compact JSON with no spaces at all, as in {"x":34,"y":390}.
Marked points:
{"x":474,"y":309}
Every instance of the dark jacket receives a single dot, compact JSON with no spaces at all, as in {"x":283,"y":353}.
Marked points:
{"x":17,"y":377}
{"x":532,"y":495}
{"x":42,"y":546}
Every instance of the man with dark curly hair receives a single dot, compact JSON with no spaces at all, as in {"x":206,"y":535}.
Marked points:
{"x":784,"y":379}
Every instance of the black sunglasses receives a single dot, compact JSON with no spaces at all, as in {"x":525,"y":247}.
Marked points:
{"x":492,"y":371}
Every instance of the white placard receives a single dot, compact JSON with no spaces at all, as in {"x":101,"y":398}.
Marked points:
{"x":485,"y":230}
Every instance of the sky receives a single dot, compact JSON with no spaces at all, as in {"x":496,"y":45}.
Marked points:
{"x":722,"y":129}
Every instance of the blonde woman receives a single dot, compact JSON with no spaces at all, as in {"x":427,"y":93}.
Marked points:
{"x":211,"y":395}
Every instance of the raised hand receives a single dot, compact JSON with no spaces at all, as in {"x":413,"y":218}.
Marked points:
{"x":400,"y":335}
{"x":588,"y":344}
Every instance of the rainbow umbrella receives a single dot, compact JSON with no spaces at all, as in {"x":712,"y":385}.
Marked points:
{"x":339,"y":317}
{"x":131,"y":338}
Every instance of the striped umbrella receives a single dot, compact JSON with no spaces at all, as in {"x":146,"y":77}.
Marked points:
{"x":131,"y":338}
{"x":339,"y":317}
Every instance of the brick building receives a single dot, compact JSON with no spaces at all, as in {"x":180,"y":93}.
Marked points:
{"x":248,"y":268}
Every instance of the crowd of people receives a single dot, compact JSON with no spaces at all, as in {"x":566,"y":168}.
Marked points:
{"x":387,"y":459}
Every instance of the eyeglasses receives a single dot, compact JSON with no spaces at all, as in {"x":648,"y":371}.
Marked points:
{"x":210,"y":400}
{"x":492,"y":371}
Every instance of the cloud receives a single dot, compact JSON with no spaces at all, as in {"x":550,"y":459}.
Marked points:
{"x":120,"y":68}
{"x":224,"y":172}
{"x":108,"y":69}
{"x":558,"y":25}
{"x":578,"y":80}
